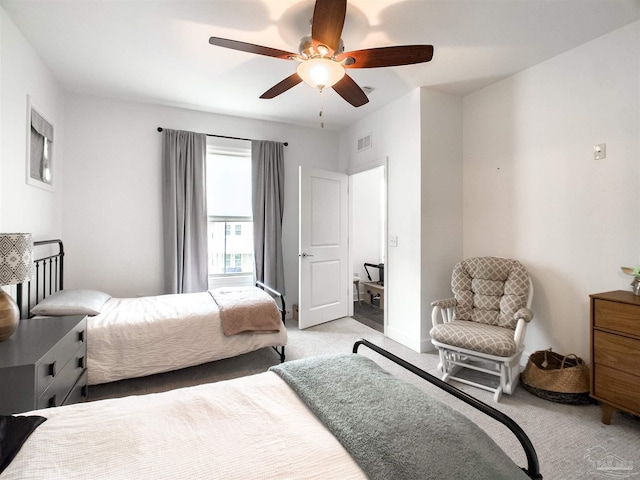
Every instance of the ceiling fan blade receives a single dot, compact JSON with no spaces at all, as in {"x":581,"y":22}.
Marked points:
{"x":388,"y":56}
{"x":327,"y":22}
{"x":283,"y":86}
{"x":350,"y":91}
{"x":251,"y":48}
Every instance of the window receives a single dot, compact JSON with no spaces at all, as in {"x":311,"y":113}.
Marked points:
{"x":230,"y":225}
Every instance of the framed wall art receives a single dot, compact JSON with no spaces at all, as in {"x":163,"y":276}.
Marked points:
{"x":40,"y":151}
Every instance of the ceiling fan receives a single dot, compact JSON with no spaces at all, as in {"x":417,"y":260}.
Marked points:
{"x":322,"y":59}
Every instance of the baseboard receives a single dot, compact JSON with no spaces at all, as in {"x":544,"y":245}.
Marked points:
{"x":427,"y":346}
{"x":402,"y":338}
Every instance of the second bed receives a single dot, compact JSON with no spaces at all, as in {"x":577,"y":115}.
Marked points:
{"x":135,"y":337}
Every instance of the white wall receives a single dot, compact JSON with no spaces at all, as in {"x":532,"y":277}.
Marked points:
{"x":25,"y":208}
{"x":112,"y":202}
{"x":441,"y":219}
{"x":533,"y":191}
{"x":420,"y":162}
{"x":395,"y":133}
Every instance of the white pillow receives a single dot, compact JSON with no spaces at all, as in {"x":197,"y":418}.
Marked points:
{"x":71,"y":302}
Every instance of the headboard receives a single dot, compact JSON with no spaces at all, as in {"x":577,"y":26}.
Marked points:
{"x":48,"y":275}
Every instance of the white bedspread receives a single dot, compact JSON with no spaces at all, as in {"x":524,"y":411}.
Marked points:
{"x":134,"y":337}
{"x":250,"y":427}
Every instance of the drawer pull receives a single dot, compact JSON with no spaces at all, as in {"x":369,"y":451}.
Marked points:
{"x":81,"y":336}
{"x":52,"y":401}
{"x":81,"y":362}
{"x":52,"y":369}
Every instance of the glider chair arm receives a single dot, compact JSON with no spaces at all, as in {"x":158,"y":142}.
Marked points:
{"x":522,"y":316}
{"x":443,"y":311}
{"x":524,"y":313}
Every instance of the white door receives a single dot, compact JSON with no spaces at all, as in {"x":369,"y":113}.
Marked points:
{"x":323,"y":249}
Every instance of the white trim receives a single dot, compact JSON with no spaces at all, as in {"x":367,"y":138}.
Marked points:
{"x":363,"y":167}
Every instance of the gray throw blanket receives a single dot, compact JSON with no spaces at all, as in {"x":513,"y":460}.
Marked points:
{"x":390,"y":428}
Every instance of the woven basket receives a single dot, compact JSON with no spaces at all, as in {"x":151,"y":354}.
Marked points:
{"x":558,"y":378}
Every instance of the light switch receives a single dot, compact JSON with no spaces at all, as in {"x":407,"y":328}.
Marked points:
{"x":393,"y":241}
{"x":600,"y":151}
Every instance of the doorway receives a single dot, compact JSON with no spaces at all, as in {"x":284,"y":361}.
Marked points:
{"x":368,"y":245}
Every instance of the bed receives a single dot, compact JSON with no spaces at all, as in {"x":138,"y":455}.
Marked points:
{"x":135,"y":337}
{"x":334,"y":416}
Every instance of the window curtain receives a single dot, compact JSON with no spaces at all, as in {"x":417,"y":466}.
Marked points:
{"x":267,"y":177}
{"x":184,"y":211}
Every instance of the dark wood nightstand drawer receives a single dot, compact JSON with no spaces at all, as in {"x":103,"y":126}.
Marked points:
{"x":616,"y":351}
{"x":617,"y":388}
{"x":55,"y":360}
{"x":65,"y":379}
{"x":616,"y":316}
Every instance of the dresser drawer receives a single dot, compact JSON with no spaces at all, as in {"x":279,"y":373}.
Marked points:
{"x":52,"y":364}
{"x":65,"y":379}
{"x":617,"y":316}
{"x":618,"y":388}
{"x":79,"y":391}
{"x":616,"y":351}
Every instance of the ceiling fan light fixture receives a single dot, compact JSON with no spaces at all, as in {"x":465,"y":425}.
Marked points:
{"x":322,"y":59}
{"x":320,"y":72}
{"x":323,"y":50}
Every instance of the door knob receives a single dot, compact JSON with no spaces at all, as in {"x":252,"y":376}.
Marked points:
{"x":303,"y":254}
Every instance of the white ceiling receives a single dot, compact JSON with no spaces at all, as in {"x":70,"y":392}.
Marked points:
{"x":157,"y":51}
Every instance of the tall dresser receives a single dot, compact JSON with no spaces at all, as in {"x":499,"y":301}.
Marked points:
{"x":615,"y":352}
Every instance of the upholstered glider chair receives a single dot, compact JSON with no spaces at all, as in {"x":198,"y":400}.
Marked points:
{"x":483,"y":326}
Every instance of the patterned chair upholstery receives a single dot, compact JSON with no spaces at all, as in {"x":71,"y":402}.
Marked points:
{"x":485,"y":321}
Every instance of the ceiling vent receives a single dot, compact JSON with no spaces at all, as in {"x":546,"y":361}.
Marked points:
{"x":364,"y":143}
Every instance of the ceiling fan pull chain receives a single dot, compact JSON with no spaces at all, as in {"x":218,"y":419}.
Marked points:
{"x":321,"y":109}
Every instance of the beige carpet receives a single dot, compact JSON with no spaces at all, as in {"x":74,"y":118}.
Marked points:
{"x":570,"y":440}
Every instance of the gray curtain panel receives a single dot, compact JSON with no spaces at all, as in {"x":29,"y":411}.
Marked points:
{"x":184,"y":208}
{"x":267,"y":172}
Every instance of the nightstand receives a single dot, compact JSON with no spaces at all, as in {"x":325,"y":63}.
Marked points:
{"x":615,"y":352}
{"x":44,"y":364}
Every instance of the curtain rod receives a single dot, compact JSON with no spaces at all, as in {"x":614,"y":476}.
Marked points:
{"x":286,"y":144}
